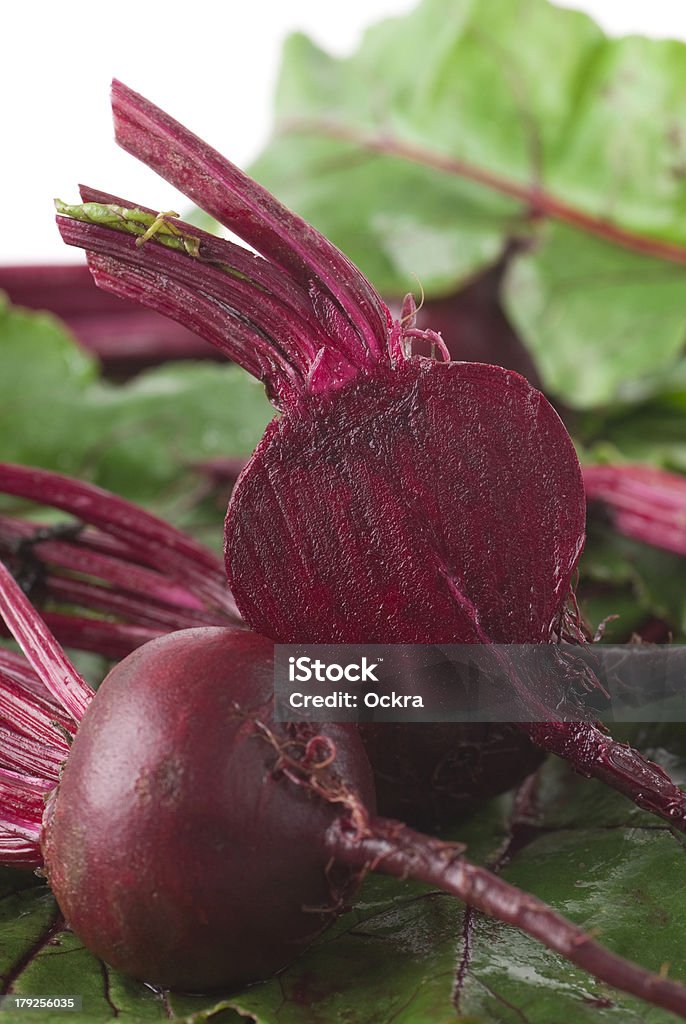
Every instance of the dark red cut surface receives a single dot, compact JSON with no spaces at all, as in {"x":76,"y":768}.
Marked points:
{"x":431,"y":503}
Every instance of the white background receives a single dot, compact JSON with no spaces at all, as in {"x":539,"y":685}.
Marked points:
{"x":211,"y":63}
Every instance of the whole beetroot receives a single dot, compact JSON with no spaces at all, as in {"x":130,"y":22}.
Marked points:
{"x":199,"y":876}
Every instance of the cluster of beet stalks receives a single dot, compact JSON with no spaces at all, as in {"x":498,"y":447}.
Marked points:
{"x":141,"y":578}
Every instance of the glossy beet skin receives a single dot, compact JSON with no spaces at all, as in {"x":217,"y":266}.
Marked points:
{"x":172,"y":840}
{"x":428,"y":503}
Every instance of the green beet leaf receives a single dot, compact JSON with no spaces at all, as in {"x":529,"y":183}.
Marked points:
{"x":461,"y":126}
{"x":139,"y":439}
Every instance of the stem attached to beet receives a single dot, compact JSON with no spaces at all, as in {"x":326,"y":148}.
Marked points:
{"x":247,"y":308}
{"x":221,"y":189}
{"x":168,"y":281}
{"x":42,"y":699}
{"x":79,"y":558}
{"x":395,"y":849}
{"x":595,"y":754}
{"x":150,"y":577}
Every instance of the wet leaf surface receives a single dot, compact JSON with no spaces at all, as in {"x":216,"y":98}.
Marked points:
{"x":512,"y":106}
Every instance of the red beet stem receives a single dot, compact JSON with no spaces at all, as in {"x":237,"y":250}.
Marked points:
{"x":145,"y":602}
{"x":293,"y":343}
{"x":29,"y":714}
{"x":113,"y":640}
{"x":266,"y":278}
{"x":28,"y":772}
{"x":136,"y":610}
{"x":22,"y":798}
{"x":21,"y":819}
{"x":644,"y":503}
{"x":146,"y":539}
{"x":242,"y":205}
{"x":211,"y":320}
{"x":76,"y":557}
{"x":42,"y":651}
{"x":15,"y":666}
{"x":27,"y":756}
{"x":595,"y":754}
{"x":25,"y":783}
{"x":15,"y":851}
{"x":265,"y":338}
{"x":395,"y":849}
{"x":148,"y":601}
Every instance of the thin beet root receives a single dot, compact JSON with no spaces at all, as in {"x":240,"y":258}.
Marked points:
{"x":474,"y":325}
{"x":194,"y":842}
{"x":396,"y":850}
{"x":396,"y":499}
